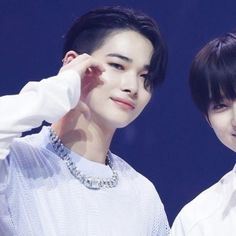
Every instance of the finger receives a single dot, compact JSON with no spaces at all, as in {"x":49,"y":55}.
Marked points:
{"x":70,"y":62}
{"x":84,"y":64}
{"x":95,"y":70}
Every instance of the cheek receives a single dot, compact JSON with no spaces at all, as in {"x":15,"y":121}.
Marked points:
{"x":220,"y":124}
{"x":142,"y":104}
{"x":145,"y":98}
{"x":110,"y":76}
{"x":88,"y":84}
{"x":98,"y":95}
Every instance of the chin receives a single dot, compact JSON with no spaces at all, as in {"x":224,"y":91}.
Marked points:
{"x":118,"y":123}
{"x":115,"y":121}
{"x":122,"y":126}
{"x":231,"y":147}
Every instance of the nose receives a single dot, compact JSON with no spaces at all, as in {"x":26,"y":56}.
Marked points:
{"x":130,"y":84}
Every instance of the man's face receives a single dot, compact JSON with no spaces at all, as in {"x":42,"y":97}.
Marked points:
{"x":222,"y":118}
{"x":119,"y":96}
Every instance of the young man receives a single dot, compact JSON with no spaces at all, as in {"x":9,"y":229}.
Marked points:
{"x":213,"y":87}
{"x":65,"y":180}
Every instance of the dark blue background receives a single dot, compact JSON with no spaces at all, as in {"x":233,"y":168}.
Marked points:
{"x":170,"y":143}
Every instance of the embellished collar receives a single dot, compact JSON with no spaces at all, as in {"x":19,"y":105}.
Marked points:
{"x":87,"y":167}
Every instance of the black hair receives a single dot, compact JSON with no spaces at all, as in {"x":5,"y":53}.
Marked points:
{"x":213,"y":72}
{"x":89,"y":32}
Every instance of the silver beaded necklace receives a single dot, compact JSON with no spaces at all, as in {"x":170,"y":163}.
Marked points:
{"x":88,"y":181}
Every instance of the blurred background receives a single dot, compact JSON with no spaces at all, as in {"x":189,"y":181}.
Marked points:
{"x":170,"y":143}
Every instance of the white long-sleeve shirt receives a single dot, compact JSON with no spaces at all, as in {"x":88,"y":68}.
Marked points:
{"x":212,"y":213}
{"x":38,"y":194}
{"x":47,"y":100}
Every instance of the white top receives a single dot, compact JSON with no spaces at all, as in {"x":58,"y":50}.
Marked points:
{"x":38,"y":194}
{"x":212,"y":213}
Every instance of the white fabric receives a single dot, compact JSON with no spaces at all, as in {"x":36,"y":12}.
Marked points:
{"x":38,"y":194}
{"x":212,"y":213}
{"x":48,"y":100}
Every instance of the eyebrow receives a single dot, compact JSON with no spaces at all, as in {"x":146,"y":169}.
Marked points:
{"x":124,"y":58}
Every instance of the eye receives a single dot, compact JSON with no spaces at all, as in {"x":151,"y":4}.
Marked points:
{"x":219,"y":106}
{"x":116,"y":66}
{"x":145,"y":76}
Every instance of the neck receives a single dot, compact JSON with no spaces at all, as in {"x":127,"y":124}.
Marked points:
{"x":84,"y":137}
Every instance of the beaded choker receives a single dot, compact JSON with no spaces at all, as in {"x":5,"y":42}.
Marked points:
{"x":88,"y":181}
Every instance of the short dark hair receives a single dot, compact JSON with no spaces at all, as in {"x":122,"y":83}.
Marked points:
{"x":89,"y":32}
{"x":213,"y":72}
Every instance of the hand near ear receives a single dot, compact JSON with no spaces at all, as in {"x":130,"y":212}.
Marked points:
{"x":89,"y":71}
{"x":83,"y":64}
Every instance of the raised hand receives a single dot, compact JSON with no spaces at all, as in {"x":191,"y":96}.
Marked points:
{"x":83,"y":64}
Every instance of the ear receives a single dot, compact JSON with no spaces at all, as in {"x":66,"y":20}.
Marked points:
{"x":70,"y":55}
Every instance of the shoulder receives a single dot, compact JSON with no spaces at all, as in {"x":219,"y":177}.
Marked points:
{"x":206,"y":205}
{"x":30,"y":151}
{"x":132,"y":177}
{"x":144,"y":193}
{"x":36,"y":140}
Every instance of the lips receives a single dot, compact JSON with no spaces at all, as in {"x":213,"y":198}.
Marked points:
{"x":124,"y":102}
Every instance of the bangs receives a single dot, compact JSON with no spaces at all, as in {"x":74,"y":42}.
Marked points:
{"x":213,"y":72}
{"x":221,"y":82}
{"x":212,"y":79}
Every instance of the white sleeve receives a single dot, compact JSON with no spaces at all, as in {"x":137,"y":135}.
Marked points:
{"x":48,"y":99}
{"x":177,"y":228}
{"x":161,"y":223}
